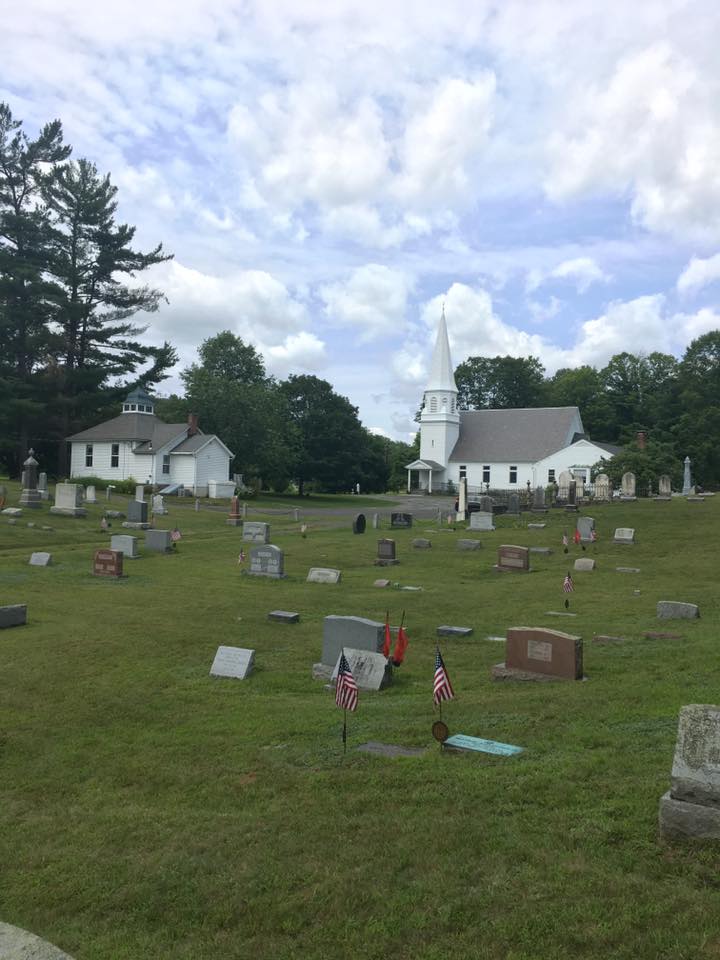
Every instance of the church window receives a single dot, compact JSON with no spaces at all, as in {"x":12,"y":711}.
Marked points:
{"x":115,"y":455}
{"x":486,"y":474}
{"x":88,"y":454}
{"x":166,"y":463}
{"x":551,"y":476}
{"x":463,"y":472}
{"x":433,"y":404}
{"x":513,"y":474}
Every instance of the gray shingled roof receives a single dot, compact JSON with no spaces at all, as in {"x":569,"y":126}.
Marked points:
{"x":145,"y":427}
{"x":191,"y":444}
{"x":509,"y":436}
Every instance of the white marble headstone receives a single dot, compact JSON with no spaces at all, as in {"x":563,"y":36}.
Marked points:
{"x":232,"y":662}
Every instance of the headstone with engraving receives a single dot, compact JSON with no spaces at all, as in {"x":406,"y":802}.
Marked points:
{"x":675,"y":610}
{"x":255,"y":532}
{"x":90,"y":494}
{"x":538,"y":503}
{"x":323,"y":575}
{"x":235,"y":662}
{"x":140,"y":492}
{"x":624,"y":535}
{"x":687,"y":478}
{"x":513,"y":559}
{"x":159,"y":541}
{"x":572,"y":493}
{"x":108,"y":563}
{"x":376,"y":521}
{"x":401,"y":520}
{"x":691,"y":807}
{"x":584,"y":564}
{"x":664,"y":488}
{"x":353,"y":633}
{"x":513,"y":504}
{"x":234,"y":517}
{"x":462,"y":500}
{"x":486,"y":504}
{"x":137,"y":514}
{"x":359,"y":523}
{"x":30,"y":496}
{"x":602,"y":487}
{"x":372,"y":671}
{"x":533,"y":651}
{"x":585,"y":526}
{"x":13,"y":615}
{"x":481,"y":520}
{"x":564,"y":485}
{"x":126,"y":544}
{"x":267,"y":561}
{"x":385,"y":553}
{"x":40,"y":559}
{"x":158,"y":505}
{"x":42,"y":486}
{"x":68,"y":500}
{"x":627,"y":486}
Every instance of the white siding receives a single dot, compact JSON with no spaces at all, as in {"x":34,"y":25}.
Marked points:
{"x":102,"y":451}
{"x":212,"y":464}
{"x":499,"y":475}
{"x":182,"y":469}
{"x":580,"y":455}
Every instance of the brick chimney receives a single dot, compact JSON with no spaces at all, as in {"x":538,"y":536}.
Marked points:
{"x":192,"y":424}
{"x":641,"y":438}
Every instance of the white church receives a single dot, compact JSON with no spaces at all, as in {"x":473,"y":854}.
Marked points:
{"x":497,"y":449}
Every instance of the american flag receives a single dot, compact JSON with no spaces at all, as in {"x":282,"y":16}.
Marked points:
{"x":346,"y":692}
{"x":593,"y":535}
{"x":175,"y":535}
{"x":565,"y":540}
{"x":442,"y":688}
{"x":568,"y":585}
{"x":241,"y":557}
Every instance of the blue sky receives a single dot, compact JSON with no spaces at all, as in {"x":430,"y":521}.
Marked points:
{"x":327,"y":175}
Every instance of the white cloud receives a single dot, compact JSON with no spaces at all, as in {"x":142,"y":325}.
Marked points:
{"x":689,"y":326}
{"x":302,"y":351}
{"x":373,"y":300}
{"x":583,"y":271}
{"x":699,"y":273}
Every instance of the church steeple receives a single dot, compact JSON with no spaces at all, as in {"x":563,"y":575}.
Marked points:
{"x":440,"y":419}
{"x":441,"y":370}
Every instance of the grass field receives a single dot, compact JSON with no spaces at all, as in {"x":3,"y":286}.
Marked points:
{"x":151,"y":811}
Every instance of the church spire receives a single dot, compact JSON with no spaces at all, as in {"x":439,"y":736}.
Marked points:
{"x":441,"y":369}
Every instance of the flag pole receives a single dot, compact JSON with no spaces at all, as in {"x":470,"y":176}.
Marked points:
{"x":344,"y":735}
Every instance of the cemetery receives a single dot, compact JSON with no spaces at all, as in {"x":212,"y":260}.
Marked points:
{"x":170,"y":749}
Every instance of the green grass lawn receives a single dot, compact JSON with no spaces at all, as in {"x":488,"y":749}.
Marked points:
{"x":148,"y":810}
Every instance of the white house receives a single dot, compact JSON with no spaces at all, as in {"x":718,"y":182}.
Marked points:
{"x":504,"y":449}
{"x":138,"y":444}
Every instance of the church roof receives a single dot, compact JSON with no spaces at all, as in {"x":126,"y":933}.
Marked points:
{"x":143,"y":427}
{"x":441,"y":369}
{"x":510,"y":436}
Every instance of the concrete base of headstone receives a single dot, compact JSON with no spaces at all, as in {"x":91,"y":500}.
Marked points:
{"x":68,"y":511}
{"x":559,"y":613}
{"x":501,"y":672}
{"x":499,"y":569}
{"x":30,"y":499}
{"x":234,"y":521}
{"x":689,"y":500}
{"x":571,"y":508}
{"x":132,"y":525}
{"x":44,"y":494}
{"x":538,"y":510}
{"x":14,"y":615}
{"x":17,"y":944}
{"x":447,"y":631}
{"x":680,"y":819}
{"x":284,"y":616}
{"x":385,"y":563}
{"x":674,"y":610}
{"x":390,"y":750}
{"x":663,"y":499}
{"x":627,"y":499}
{"x":469,"y":545}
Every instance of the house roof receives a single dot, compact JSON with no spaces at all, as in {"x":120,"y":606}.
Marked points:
{"x":424,"y":465}
{"x":162,"y":434}
{"x":610,"y":447}
{"x":128,"y":426}
{"x":507,"y":436}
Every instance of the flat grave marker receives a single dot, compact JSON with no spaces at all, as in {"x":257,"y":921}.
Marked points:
{"x":235,"y":662}
{"x":40,"y":559}
{"x":323,"y":575}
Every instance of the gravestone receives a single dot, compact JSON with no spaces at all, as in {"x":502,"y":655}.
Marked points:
{"x":234,"y":518}
{"x":30,"y":496}
{"x":461,"y":743}
{"x":40,"y":559}
{"x":420,"y":543}
{"x":42,"y":486}
{"x":354,"y":633}
{"x":385,"y":553}
{"x":11,"y":512}
{"x":447,"y":631}
{"x":513,"y":504}
{"x":90,"y":494}
{"x":255,"y":532}
{"x":284,"y":616}
{"x":236,"y":662}
{"x":602,"y":487}
{"x":462,"y":501}
{"x":158,"y":505}
{"x":584,"y":564}
{"x":14,"y":615}
{"x":627,"y":569}
{"x":469,"y":545}
{"x":401,"y":520}
{"x":564,"y":485}
{"x":68,"y":500}
{"x":376,"y":521}
{"x":627,"y":486}
{"x":481,"y":520}
{"x":536,"y":526}
{"x":159,"y":541}
{"x":267,"y":561}
{"x":539,"y":651}
{"x":664,"y":488}
{"x":674,"y":610}
{"x":579,"y":488}
{"x":542,"y":551}
{"x":359,"y":523}
{"x":624,"y":535}
{"x":691,"y":807}
{"x":486,"y":504}
{"x":513,"y":559}
{"x":572,"y":493}
{"x":538,"y":503}
{"x":323,"y":575}
{"x":137,"y":511}
{"x":126,"y":544}
{"x":381,"y":583}
{"x":372,"y":671}
{"x":687,"y":479}
{"x":140,"y":492}
{"x":18,"y":944}
{"x":585,"y":526}
{"x":108,"y":563}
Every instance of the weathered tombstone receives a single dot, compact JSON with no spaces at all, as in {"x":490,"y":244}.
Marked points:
{"x":256,"y":532}
{"x":234,"y":519}
{"x":602,"y":487}
{"x":674,"y":610}
{"x":42,"y":486}
{"x":536,"y":652}
{"x":108,"y":490}
{"x":627,"y":486}
{"x":284,"y":616}
{"x":584,"y":564}
{"x":13,"y":615}
{"x":385,"y":553}
{"x":68,"y":500}
{"x":564,"y":485}
{"x":513,"y":504}
{"x":469,"y":544}
{"x":687,"y":479}
{"x":323,"y":575}
{"x":624,"y":535}
{"x":296,"y":515}
{"x":538,"y":504}
{"x":585,"y":526}
{"x":244,"y":510}
{"x":481,"y":520}
{"x":372,"y":671}
{"x":90,"y":494}
{"x":126,"y":544}
{"x":108,"y":563}
{"x":513,"y":559}
{"x":401,"y":520}
{"x":235,"y":662}
{"x":137,"y":514}
{"x":486,"y":504}
{"x":140,"y":492}
{"x":40,"y":559}
{"x":447,"y":631}
{"x":159,"y":541}
{"x":158,"y":505}
{"x":354,"y":633}
{"x":376,"y":521}
{"x":572,"y":493}
{"x":664,"y":488}
{"x":420,"y":543}
{"x":579,"y":488}
{"x":267,"y":561}
{"x":30,"y":496}
{"x":359,"y":523}
{"x":691,"y":807}
{"x":381,"y":583}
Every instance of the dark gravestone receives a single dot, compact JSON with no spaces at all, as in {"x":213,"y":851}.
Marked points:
{"x":234,"y":517}
{"x":14,"y":615}
{"x":385,"y":553}
{"x":401,"y":520}
{"x":137,"y":511}
{"x":159,"y":541}
{"x":536,"y":650}
{"x":359,"y":523}
{"x":572,"y":493}
{"x":353,"y":633}
{"x":447,"y":631}
{"x":513,"y":558}
{"x":108,"y":563}
{"x":284,"y":616}
{"x":513,"y":504}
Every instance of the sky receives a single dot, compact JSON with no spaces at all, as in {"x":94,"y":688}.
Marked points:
{"x":329,"y":174}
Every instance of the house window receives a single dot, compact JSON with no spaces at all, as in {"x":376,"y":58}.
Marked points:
{"x":115,"y":455}
{"x":486,"y":474}
{"x":88,"y":454}
{"x":513,"y":474}
{"x":551,"y":476}
{"x":463,"y":472}
{"x":166,"y":464}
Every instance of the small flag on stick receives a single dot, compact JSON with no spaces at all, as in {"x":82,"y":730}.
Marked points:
{"x":593,"y":535}
{"x":175,"y":535}
{"x":400,"y":644}
{"x":568,"y":587}
{"x":442,"y":688}
{"x":576,"y":536}
{"x":388,"y":638}
{"x":346,"y":693}
{"x":241,"y":557}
